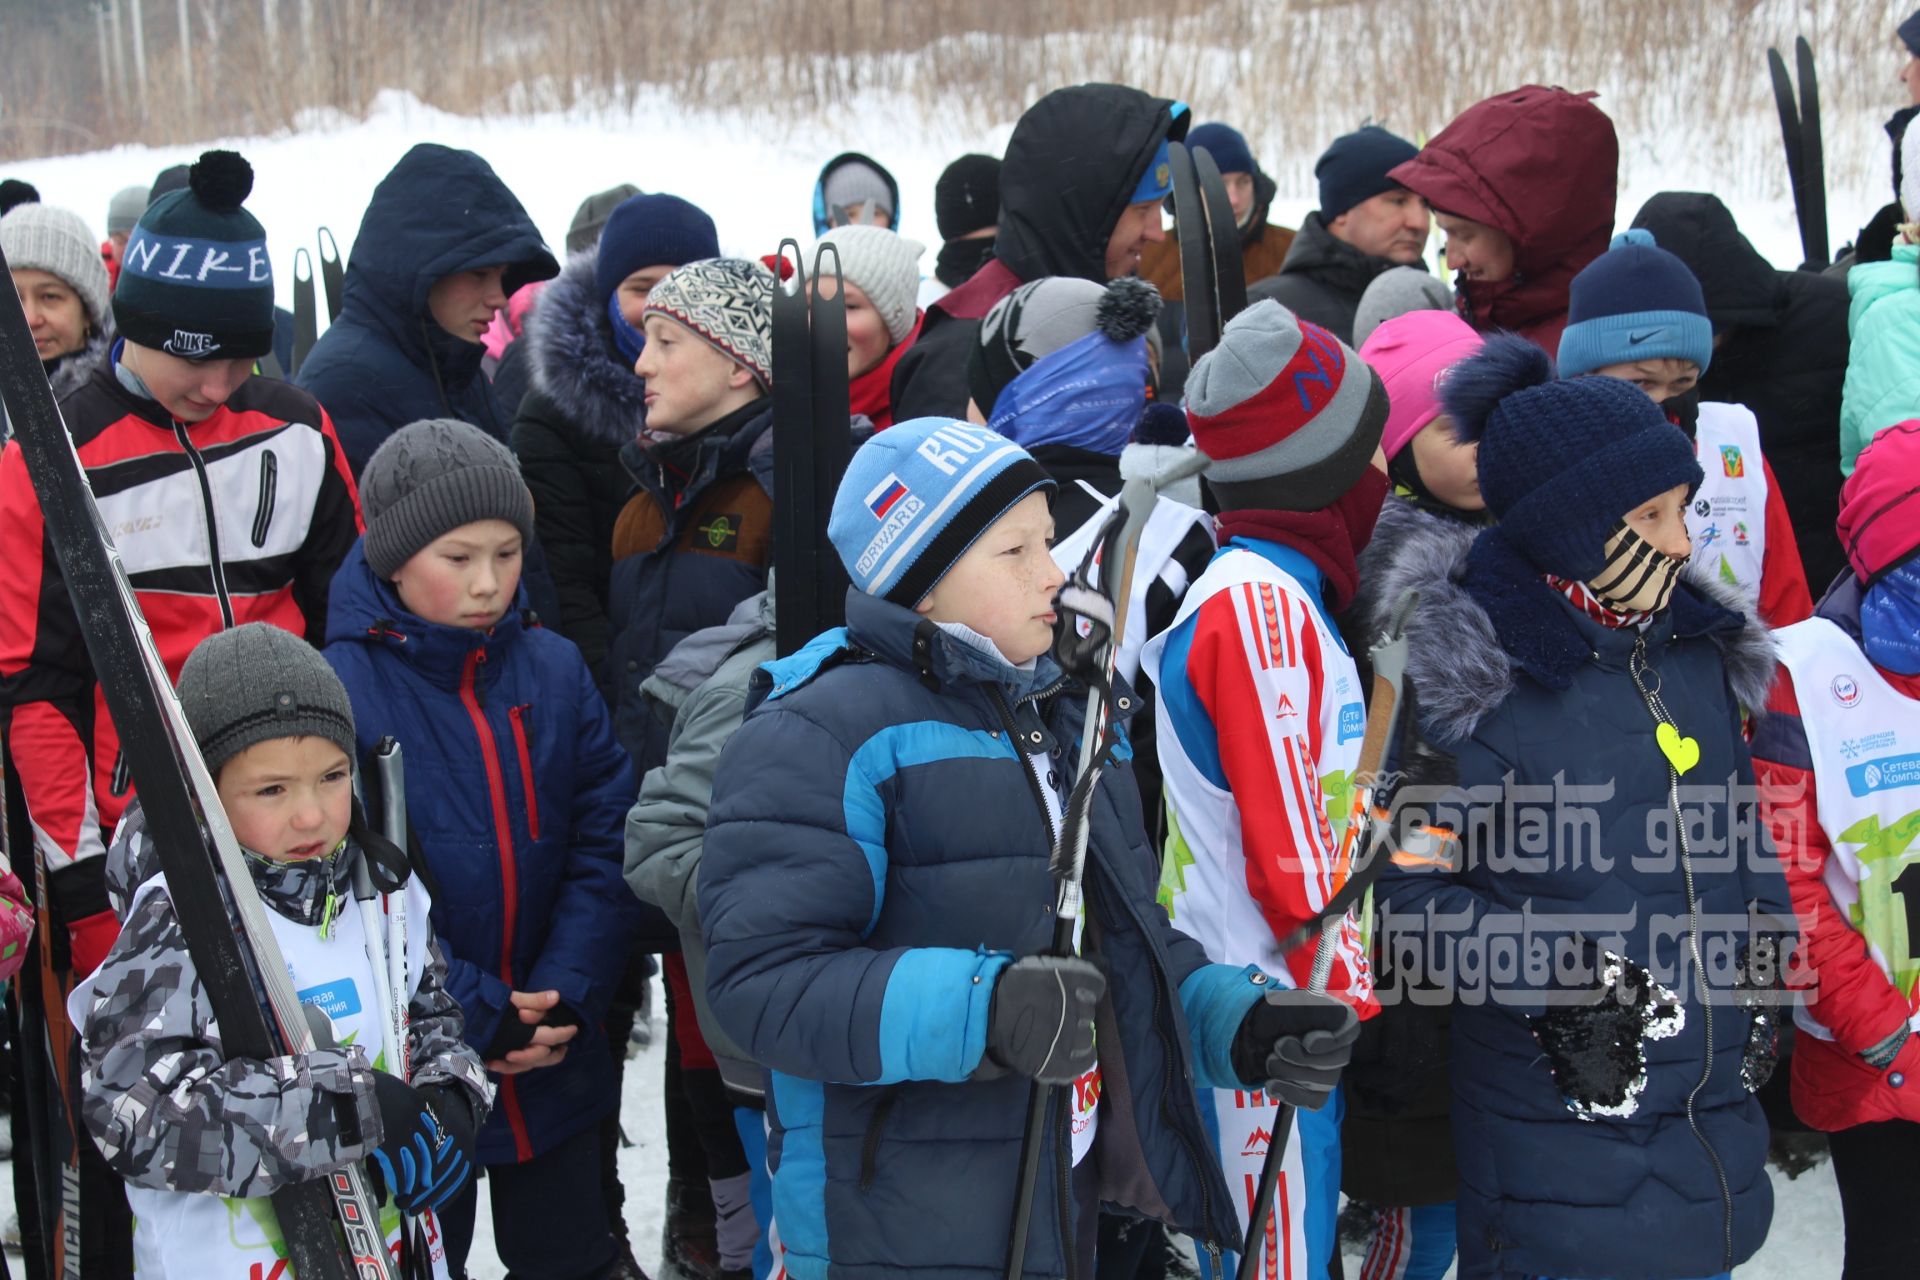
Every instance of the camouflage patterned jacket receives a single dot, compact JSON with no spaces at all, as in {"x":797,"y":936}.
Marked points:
{"x":166,"y":1107}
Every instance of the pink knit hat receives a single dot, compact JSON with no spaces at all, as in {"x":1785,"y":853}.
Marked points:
{"x":1410,"y":353}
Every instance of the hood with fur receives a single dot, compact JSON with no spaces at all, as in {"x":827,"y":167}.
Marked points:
{"x":574,"y":362}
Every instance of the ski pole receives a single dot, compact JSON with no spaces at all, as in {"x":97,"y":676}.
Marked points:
{"x":1090,"y":655}
{"x":1383,"y":727}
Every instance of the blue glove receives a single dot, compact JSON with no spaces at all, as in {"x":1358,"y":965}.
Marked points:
{"x":427,"y":1154}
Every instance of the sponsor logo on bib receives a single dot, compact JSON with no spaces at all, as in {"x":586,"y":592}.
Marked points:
{"x":1846,"y":691}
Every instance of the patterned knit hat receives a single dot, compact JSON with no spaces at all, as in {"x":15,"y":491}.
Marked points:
{"x":39,"y":237}
{"x":1636,"y":301}
{"x":429,"y":478}
{"x":728,"y":302}
{"x":886,"y":267}
{"x":917,"y":495}
{"x":1562,"y":462}
{"x":194,"y":278}
{"x":1282,"y":399}
{"x":256,"y":682}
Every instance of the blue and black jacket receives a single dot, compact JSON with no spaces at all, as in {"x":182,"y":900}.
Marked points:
{"x":876,"y":853}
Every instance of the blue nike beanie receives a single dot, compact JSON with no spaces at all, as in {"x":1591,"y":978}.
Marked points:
{"x":1355,"y":168}
{"x":1226,"y":144}
{"x":917,"y":495}
{"x":1636,"y":301}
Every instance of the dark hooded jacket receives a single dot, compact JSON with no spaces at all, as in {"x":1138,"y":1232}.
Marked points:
{"x":586,"y":403}
{"x":1070,"y":171}
{"x":1783,"y":354}
{"x":1541,"y":165}
{"x":1677,"y":1186}
{"x":1322,"y":279}
{"x":385,"y":362}
{"x":821,"y":223}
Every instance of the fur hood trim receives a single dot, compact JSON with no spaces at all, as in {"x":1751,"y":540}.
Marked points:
{"x":574,"y":363}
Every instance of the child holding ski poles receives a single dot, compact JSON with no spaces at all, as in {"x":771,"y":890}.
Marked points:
{"x":877,"y":904}
{"x":203,"y":1141}
{"x":518,"y":790}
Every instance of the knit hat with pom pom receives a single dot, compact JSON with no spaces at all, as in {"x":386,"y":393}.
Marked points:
{"x":194,"y":277}
{"x":1087,"y":394}
{"x":1562,"y":462}
{"x":1043,"y":316}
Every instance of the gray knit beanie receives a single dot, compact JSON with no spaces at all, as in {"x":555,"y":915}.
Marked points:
{"x":255,"y":683}
{"x":429,"y":478}
{"x":124,"y":210}
{"x":40,"y":237}
{"x":1395,"y":292}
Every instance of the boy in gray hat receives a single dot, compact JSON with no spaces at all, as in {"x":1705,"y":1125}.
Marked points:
{"x":519,"y":792}
{"x":201,"y":1138}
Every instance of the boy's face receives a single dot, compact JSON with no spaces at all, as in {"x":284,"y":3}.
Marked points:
{"x":1477,"y":251}
{"x":1662,"y":378}
{"x":1448,"y":468}
{"x":690,"y":385}
{"x":1663,"y":522}
{"x":464,"y":303}
{"x":633,"y":292}
{"x":190,"y":390}
{"x":466,"y":577}
{"x":1004,"y":586}
{"x":289,"y":799}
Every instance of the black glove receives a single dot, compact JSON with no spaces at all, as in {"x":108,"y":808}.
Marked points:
{"x":427,"y":1154}
{"x":1293,"y":1046}
{"x":1041,"y":1021}
{"x":1597,"y":1050}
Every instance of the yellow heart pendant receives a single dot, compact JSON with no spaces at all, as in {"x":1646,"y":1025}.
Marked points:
{"x":1681,"y":753}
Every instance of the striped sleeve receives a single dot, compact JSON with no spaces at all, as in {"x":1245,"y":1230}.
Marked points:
{"x":1255,"y":665}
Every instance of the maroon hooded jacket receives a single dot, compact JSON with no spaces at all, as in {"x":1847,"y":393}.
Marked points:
{"x":1542,"y":166}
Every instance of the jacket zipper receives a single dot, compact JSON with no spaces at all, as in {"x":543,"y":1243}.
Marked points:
{"x":218,"y":570}
{"x":876,"y":1124}
{"x":1062,"y":1147}
{"x":518,"y":718}
{"x":1658,"y":710}
{"x":509,"y":892}
{"x":269,"y":485}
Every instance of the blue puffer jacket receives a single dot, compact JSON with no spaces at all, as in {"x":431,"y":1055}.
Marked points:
{"x":1530,"y":693}
{"x":518,"y":794}
{"x":876,"y":854}
{"x":385,"y":362}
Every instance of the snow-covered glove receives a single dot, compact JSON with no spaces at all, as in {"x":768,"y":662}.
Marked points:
{"x":427,"y":1153}
{"x":1758,"y":982}
{"x":1293,"y":1045}
{"x":1040,"y":1024}
{"x":1597,"y":1050}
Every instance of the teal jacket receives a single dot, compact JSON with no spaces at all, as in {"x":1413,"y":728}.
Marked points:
{"x":1883,"y":371}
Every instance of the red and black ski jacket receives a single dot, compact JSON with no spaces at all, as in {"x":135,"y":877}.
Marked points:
{"x":240,"y":518}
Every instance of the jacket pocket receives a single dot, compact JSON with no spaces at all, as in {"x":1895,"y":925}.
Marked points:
{"x":269,"y":485}
{"x":518,"y":717}
{"x":876,"y":1128}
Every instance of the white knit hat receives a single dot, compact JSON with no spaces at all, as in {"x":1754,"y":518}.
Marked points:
{"x":40,"y":237}
{"x":885,"y":266}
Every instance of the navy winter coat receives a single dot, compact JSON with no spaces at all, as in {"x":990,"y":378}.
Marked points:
{"x":876,"y":854}
{"x":385,"y":362}
{"x":1536,"y":702}
{"x":518,"y":794}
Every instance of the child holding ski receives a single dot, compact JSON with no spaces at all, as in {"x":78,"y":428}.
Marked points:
{"x":878,"y":909}
{"x":1603,"y":1072}
{"x":1262,"y":715}
{"x":517,"y":790}
{"x":1833,"y":755}
{"x":202,"y":1139}
{"x":1637,"y":313}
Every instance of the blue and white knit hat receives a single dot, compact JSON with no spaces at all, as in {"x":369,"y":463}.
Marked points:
{"x":1636,"y":301}
{"x":727,"y":303}
{"x":917,"y":495}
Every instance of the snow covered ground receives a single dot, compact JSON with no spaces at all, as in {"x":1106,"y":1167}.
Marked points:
{"x":758,"y":179}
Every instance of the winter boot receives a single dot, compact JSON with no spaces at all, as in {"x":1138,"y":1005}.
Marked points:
{"x":689,"y":1244}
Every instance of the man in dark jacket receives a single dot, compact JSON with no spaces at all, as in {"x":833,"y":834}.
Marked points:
{"x":1780,"y":349}
{"x":1366,"y":224}
{"x":442,"y":246}
{"x":1080,"y":193}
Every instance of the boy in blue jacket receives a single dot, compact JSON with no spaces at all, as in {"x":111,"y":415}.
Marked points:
{"x":876,"y":902}
{"x":518,"y":791}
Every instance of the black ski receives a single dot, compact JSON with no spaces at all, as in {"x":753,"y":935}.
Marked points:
{"x":1806,"y":153}
{"x":306,"y":311}
{"x":206,"y":876}
{"x":1223,"y":240}
{"x":1197,"y":278}
{"x":811,"y":445}
{"x":332,"y":274}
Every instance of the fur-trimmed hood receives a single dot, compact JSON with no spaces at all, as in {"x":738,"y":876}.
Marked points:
{"x":574,"y":362}
{"x":79,"y":366}
{"x":1492,"y":617}
{"x":1412,"y":549}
